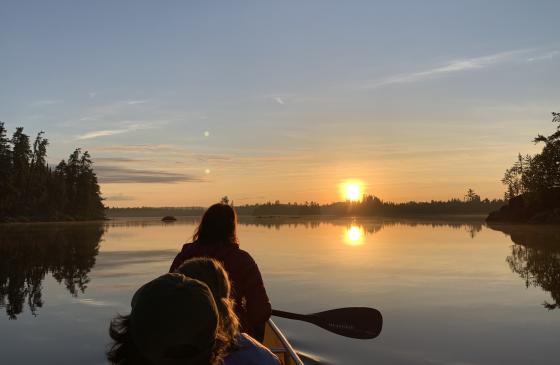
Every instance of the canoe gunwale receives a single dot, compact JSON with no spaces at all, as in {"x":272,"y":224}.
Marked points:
{"x":287,"y":347}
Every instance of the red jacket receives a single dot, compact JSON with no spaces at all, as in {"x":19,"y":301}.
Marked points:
{"x":251,"y":301}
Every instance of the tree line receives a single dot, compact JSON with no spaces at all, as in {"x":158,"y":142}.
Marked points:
{"x":277,"y":208}
{"x":31,"y":189}
{"x":536,"y":173}
{"x":370,"y":205}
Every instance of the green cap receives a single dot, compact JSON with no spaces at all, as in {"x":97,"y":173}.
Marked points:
{"x":174,"y":320}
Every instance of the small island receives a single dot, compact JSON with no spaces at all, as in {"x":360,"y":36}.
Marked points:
{"x":33,"y":191}
{"x":533,"y":185}
{"x":168,"y":218}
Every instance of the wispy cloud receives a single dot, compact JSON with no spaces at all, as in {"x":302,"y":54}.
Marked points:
{"x":118,"y":174}
{"x":102,"y":133}
{"x":117,"y":160}
{"x":135,"y":102}
{"x":44,"y":102}
{"x":544,"y":56}
{"x":454,"y":66}
{"x":129,"y":127}
{"x":278,"y":98}
{"x":139,"y":148}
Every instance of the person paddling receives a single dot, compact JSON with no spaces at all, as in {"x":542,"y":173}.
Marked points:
{"x":216,"y":237}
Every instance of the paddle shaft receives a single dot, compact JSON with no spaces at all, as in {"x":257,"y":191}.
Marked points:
{"x":290,"y":315}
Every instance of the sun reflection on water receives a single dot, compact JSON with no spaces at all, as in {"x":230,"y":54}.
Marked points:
{"x":354,"y":235}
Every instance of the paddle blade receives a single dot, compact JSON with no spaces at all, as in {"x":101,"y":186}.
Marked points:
{"x":355,"y":322}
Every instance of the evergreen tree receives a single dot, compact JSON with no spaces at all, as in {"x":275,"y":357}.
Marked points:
{"x":39,"y":176}
{"x":5,"y":172}
{"x":539,"y":172}
{"x":21,"y":157}
{"x":30,"y":189}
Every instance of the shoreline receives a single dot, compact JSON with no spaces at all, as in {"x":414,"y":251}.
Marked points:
{"x":279,"y":217}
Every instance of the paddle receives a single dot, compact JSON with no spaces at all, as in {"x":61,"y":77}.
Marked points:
{"x":353,"y":322}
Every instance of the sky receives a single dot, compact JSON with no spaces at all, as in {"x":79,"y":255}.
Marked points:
{"x":182,"y":102}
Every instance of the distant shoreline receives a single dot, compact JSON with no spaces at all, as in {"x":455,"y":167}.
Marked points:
{"x":243,"y":217}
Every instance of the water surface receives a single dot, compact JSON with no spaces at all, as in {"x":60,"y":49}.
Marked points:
{"x":451,"y":292}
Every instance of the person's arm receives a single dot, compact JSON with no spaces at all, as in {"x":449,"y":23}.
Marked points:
{"x":257,"y":302}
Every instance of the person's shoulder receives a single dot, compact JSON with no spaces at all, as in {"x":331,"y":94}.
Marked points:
{"x":243,"y":339}
{"x":188,"y":246}
{"x":258,"y":352}
{"x":244,"y":257}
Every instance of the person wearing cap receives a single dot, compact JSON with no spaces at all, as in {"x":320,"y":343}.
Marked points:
{"x":173,"y":320}
{"x":216,"y":237}
{"x":241,"y":348}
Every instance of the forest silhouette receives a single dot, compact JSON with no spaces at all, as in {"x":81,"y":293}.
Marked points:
{"x":34,"y":191}
{"x":29,"y":252}
{"x":369,"y":206}
{"x":533,"y":184}
{"x":538,"y":172}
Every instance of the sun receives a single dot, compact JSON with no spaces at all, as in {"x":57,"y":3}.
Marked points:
{"x":352,"y":191}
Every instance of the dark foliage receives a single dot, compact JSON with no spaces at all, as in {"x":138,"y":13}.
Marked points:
{"x":533,"y":184}
{"x":276,"y":208}
{"x":373,"y":206}
{"x":537,"y":173}
{"x":31,"y":190}
{"x":370,"y":205}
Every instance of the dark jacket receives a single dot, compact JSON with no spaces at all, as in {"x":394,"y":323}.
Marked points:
{"x":251,"y":301}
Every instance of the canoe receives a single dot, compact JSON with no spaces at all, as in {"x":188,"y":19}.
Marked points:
{"x":279,"y":345}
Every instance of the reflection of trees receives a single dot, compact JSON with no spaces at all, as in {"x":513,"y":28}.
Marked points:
{"x":29,"y":252}
{"x":277,"y":222}
{"x":368,"y":226}
{"x":134,"y":222}
{"x":535,"y":257}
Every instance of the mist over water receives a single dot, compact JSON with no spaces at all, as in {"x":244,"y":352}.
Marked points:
{"x":450,"y":291}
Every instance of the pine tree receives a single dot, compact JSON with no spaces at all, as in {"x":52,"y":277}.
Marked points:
{"x":30,"y":189}
{"x":21,"y":156}
{"x":6,"y":190}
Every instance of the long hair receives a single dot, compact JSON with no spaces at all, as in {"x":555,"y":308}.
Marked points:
{"x":213,"y":274}
{"x":218,"y":226}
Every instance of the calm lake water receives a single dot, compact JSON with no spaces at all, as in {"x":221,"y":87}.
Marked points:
{"x":450,"y":292}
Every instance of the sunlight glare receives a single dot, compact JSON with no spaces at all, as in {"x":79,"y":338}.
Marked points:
{"x":354,"y":236}
{"x":352,"y":191}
